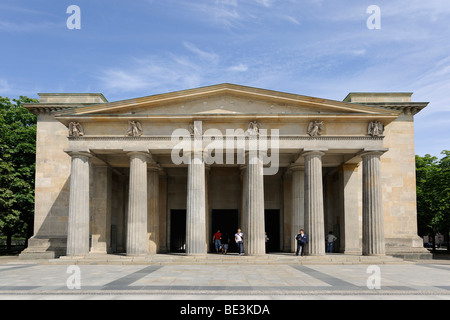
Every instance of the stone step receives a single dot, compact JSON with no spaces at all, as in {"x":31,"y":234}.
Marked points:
{"x":213,"y":259}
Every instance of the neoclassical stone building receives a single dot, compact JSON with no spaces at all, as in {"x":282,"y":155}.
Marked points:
{"x":111,"y":176}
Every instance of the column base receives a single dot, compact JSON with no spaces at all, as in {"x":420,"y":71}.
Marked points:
{"x":43,"y":247}
{"x":352,"y":252}
{"x":136,"y":254}
{"x":196,"y":255}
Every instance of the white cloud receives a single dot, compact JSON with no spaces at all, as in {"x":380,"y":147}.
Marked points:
{"x":116,"y":79}
{"x":292,"y":19}
{"x":238,"y":68}
{"x":151,"y":75}
{"x":222,"y":12}
{"x":266,"y":3}
{"x":434,"y":85}
{"x":201,"y":53}
{"x":5,"y":88}
{"x":358,"y":52}
{"x":27,"y":26}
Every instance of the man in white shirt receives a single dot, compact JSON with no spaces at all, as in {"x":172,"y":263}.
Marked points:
{"x":239,"y":239}
{"x":331,"y":238}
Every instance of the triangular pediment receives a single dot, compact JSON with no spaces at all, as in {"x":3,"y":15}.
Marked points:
{"x":226,"y":99}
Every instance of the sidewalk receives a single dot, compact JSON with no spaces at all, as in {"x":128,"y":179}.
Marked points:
{"x":408,"y":280}
{"x":214,"y":259}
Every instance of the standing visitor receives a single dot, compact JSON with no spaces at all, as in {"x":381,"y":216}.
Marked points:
{"x":225,"y":243}
{"x":302,"y":240}
{"x":216,"y":238}
{"x":331,"y":238}
{"x":239,"y":239}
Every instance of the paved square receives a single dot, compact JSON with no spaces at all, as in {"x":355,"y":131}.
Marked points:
{"x":19,"y":280}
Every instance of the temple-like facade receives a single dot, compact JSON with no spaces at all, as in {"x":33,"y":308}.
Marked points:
{"x":163,"y":173}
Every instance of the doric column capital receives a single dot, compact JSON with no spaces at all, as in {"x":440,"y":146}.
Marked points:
{"x":154,"y":168}
{"x":296,"y":167}
{"x":79,"y":154}
{"x":145,"y":154}
{"x":374,"y":152}
{"x":307,"y":153}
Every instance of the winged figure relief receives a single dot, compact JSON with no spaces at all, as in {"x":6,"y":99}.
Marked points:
{"x":253,"y":128}
{"x":375,"y":129}
{"x":76,"y":129}
{"x":315,"y":128}
{"x":134,"y":129}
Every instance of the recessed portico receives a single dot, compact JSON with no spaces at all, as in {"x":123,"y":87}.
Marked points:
{"x":205,"y":189}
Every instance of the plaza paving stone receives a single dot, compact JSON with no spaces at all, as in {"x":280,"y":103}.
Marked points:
{"x":44,"y":280}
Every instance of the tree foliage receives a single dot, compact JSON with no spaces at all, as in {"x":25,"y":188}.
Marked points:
{"x":17,"y":166}
{"x":433,"y":194}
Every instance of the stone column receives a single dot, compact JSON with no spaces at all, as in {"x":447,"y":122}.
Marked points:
{"x":196,"y":206}
{"x":153,"y":209}
{"x":101,"y":215}
{"x":244,"y":205}
{"x":314,"y":219}
{"x":348,"y":177}
{"x":287,"y":212}
{"x":137,"y":205}
{"x":298,"y":203}
{"x":255,"y":205}
{"x":163,"y":212}
{"x":372,"y":220}
{"x":78,"y":225}
{"x":208,"y":217}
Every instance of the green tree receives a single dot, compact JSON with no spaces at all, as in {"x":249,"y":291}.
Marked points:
{"x":426,"y":170}
{"x":442,"y":218}
{"x":17,"y":167}
{"x":433,"y":194}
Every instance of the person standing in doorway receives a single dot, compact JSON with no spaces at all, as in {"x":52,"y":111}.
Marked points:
{"x":217,"y":237}
{"x":266,"y":238}
{"x":302,"y":240}
{"x":225,"y":243}
{"x":331,"y":238}
{"x":239,"y":239}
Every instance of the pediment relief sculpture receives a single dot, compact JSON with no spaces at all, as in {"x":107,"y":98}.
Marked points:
{"x":315,"y":128}
{"x":134,"y":129}
{"x":375,"y":129}
{"x":75,"y":129}
{"x":253,"y":129}
{"x":196,"y":129}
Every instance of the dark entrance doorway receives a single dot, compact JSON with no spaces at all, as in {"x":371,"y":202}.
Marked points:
{"x":177,"y":230}
{"x":228,"y":222}
{"x":272,"y":224}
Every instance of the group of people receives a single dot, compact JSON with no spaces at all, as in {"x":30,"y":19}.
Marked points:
{"x":302,"y":240}
{"x":222,"y":242}
{"x":238,"y":239}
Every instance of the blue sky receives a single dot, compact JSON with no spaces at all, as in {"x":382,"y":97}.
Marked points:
{"x":321,"y":48}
